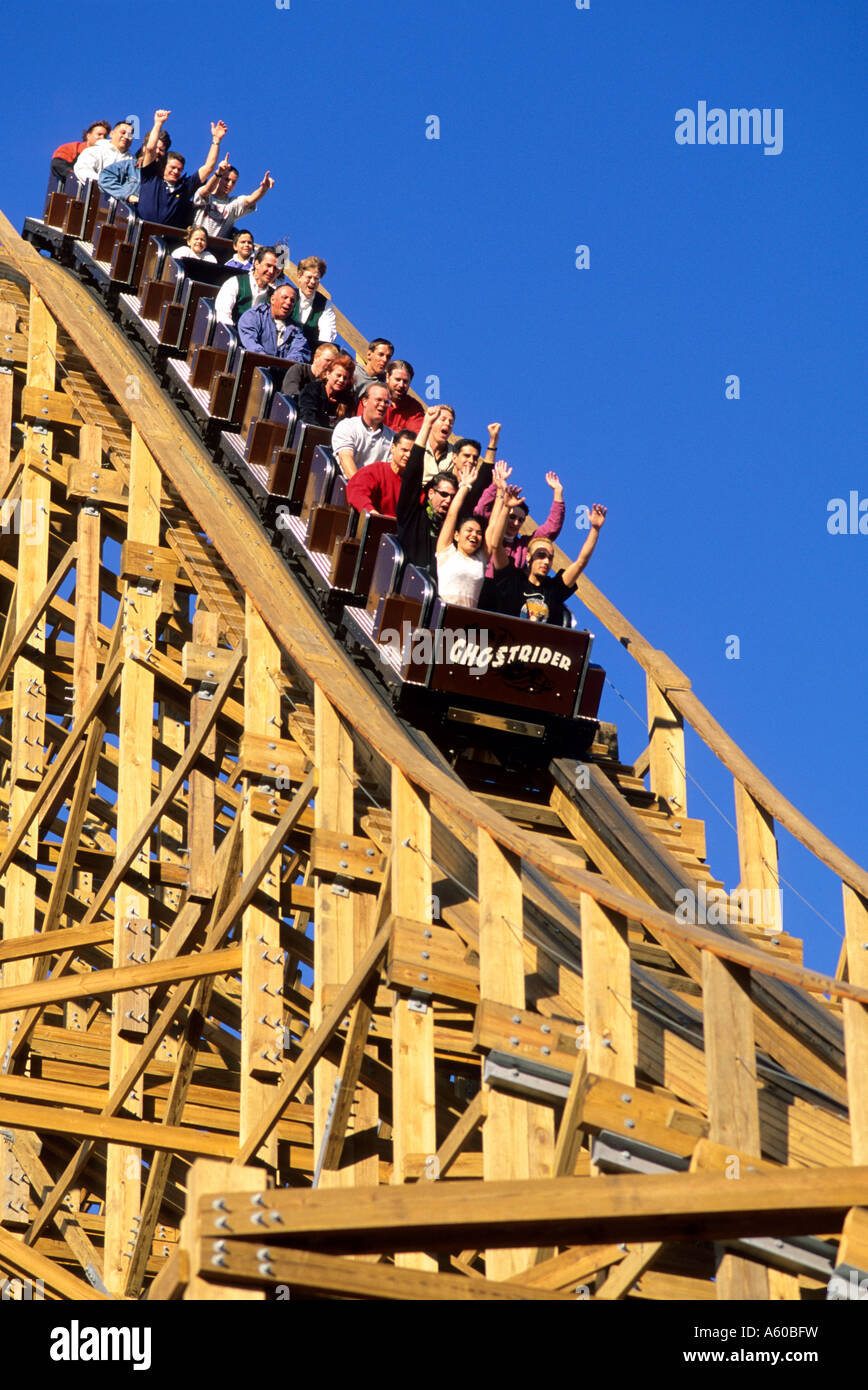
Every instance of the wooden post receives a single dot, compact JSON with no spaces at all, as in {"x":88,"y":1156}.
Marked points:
{"x":733,"y":1105}
{"x":608,"y":997}
{"x":211,"y":1175}
{"x":200,"y":815}
{"x":334,"y":939}
{"x":666,"y":750}
{"x":262,"y":972}
{"x":84,"y":652}
{"x":856,"y":1022}
{"x":758,"y":861}
{"x":135,"y":750}
{"x":413,"y":1087}
{"x":506,"y":1135}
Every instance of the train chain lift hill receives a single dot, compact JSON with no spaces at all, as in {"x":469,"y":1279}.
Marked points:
{"x":264,"y":941}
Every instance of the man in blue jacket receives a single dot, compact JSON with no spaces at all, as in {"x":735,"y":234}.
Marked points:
{"x":267,"y":328}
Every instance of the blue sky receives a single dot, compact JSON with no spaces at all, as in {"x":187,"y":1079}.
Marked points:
{"x":557,"y":129}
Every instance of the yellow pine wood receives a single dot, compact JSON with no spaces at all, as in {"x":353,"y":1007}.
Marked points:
{"x":666,"y":750}
{"x":856,"y":1021}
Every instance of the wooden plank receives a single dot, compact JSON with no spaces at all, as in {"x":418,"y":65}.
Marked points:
{"x":758,"y":857}
{"x":414,"y":1128}
{"x":140,"y":611}
{"x":201,"y":811}
{"x":733,"y":1110}
{"x":450,"y":1216}
{"x":118,"y":1132}
{"x":666,"y":750}
{"x":127,"y":977}
{"x":856,"y":1021}
{"x":506,"y":1136}
{"x":205,"y":1178}
{"x":33,"y":1266}
{"x":622,"y":1278}
{"x":305,"y":1273}
{"x":262,"y":973}
{"x":334,"y":937}
{"x":608,"y":1000}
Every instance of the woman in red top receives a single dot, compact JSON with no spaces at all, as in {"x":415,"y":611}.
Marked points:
{"x":65,"y":155}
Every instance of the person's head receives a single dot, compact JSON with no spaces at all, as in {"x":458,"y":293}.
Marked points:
{"x":468,"y":537}
{"x":466,"y":452}
{"x":338,"y":374}
{"x":515,"y":520}
{"x":197,"y":239}
{"x":174,"y":170}
{"x":265,"y":267}
{"x":401,"y":446}
{"x":323,"y":356}
{"x":398,"y":377}
{"x":242,"y":246}
{"x":97,"y":130}
{"x":282,"y":302}
{"x":310,"y":272}
{"x":540,"y":557}
{"x":441,"y":489}
{"x":226,"y":180}
{"x":442,"y":427}
{"x":122,"y":136}
{"x":375,"y":404}
{"x":378,"y":355}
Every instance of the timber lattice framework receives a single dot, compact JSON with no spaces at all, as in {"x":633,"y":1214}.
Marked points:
{"x":287,"y":1000}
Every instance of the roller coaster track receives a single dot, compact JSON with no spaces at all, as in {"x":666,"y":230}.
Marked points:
{"x":499,"y":1028}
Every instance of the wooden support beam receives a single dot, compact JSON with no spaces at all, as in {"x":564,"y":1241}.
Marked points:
{"x":262,"y":973}
{"x":608,"y":999}
{"x":733,"y":1108}
{"x":305,"y":1273}
{"x":758,"y":859}
{"x":205,"y":1178}
{"x":856,"y":1022}
{"x":33,"y":1266}
{"x":201,"y":813}
{"x":334,"y":937}
{"x":172,"y":1011}
{"x":458,"y":1216}
{"x":414,"y":1128}
{"x":666,"y":750}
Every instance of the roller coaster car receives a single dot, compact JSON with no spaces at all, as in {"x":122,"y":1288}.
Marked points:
{"x":526,"y":690}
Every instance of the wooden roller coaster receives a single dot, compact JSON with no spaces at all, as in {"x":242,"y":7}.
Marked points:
{"x":291,"y":1006}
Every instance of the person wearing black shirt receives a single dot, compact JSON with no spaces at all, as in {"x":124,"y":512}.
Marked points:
{"x":421,"y":510}
{"x":534,"y":592}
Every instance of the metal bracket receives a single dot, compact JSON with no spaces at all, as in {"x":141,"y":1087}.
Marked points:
{"x":615,"y":1153}
{"x":418,"y":1002}
{"x":522,"y":1076}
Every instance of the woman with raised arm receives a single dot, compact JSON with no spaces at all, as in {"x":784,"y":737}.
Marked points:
{"x":462,"y":553}
{"x":535,"y":592}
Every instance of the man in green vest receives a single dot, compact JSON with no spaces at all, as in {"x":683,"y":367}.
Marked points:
{"x":312,"y":312}
{"x":245,"y":291}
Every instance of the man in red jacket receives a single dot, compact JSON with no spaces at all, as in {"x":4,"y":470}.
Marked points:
{"x":377,"y":487}
{"x":65,"y":155}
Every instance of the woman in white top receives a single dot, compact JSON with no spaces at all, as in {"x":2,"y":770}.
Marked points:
{"x":462,"y":554}
{"x":196,"y":247}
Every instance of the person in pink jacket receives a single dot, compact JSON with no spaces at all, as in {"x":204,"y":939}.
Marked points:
{"x":515,"y":544}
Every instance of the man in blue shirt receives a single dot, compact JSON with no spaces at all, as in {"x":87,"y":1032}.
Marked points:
{"x":268,"y":329}
{"x":166,"y":194}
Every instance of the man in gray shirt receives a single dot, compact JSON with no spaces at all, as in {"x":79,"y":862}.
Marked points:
{"x":364,"y":438}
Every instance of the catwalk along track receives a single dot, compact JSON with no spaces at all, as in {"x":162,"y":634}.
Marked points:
{"x":264,"y":941}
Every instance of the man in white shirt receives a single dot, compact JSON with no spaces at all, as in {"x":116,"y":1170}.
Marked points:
{"x":313,"y":313}
{"x":362,"y":439}
{"x":243,"y":292}
{"x":438,"y":450}
{"x":216,"y":205}
{"x":95,"y":158}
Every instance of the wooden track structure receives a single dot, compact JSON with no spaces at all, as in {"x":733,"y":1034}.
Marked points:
{"x":290,"y":1006}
